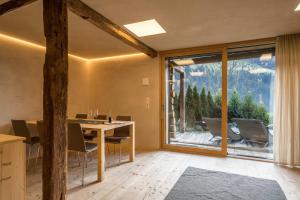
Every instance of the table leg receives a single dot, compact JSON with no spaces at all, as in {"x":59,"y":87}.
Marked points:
{"x":132,"y":142}
{"x":101,"y":155}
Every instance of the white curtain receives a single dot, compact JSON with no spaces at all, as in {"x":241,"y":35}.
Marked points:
{"x":287,"y":101}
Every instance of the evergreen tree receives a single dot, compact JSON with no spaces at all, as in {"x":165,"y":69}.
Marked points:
{"x":234,"y":106}
{"x":261,"y":113}
{"x":197,"y":105}
{"x":203,"y":102}
{"x":248,"y":107}
{"x":189,"y":107}
{"x":218,"y":104}
{"x":211,"y":107}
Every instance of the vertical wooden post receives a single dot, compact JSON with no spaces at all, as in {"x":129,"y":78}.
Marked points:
{"x":224,"y":101}
{"x":172,"y":118}
{"x":182,"y":104}
{"x":55,"y":99}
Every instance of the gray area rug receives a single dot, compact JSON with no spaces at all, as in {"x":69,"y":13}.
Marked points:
{"x":212,"y":185}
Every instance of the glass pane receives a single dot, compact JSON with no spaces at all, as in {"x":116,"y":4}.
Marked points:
{"x":194,"y":100}
{"x":251,"y":74}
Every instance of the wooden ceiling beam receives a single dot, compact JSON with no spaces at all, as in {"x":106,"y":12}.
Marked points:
{"x":13,"y":5}
{"x":91,"y":15}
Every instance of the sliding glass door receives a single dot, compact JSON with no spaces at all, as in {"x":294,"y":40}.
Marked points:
{"x":193,"y":99}
{"x":220,"y":101}
{"x":251,"y":72}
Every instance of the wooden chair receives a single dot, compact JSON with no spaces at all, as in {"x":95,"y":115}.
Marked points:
{"x":253,"y":131}
{"x":40,"y":128}
{"x":215,"y":126}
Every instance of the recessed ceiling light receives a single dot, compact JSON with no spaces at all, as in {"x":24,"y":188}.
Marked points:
{"x":298,"y":8}
{"x":145,"y":28}
{"x":266,"y":57}
{"x":181,"y":62}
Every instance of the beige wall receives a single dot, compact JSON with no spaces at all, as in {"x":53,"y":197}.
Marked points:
{"x":21,"y":84}
{"x":116,"y":87}
{"x":113,"y":86}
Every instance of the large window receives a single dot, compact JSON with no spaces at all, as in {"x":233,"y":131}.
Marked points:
{"x":195,"y":96}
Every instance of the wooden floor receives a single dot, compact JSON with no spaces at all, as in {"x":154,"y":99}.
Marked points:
{"x":153,"y":174}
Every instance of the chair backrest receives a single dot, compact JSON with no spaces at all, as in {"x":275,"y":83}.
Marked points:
{"x":20,"y":129}
{"x":123,"y":131}
{"x":81,"y":116}
{"x":214,"y":125}
{"x":252,"y":129}
{"x":40,"y":128}
{"x":101,"y":117}
{"x":75,"y":138}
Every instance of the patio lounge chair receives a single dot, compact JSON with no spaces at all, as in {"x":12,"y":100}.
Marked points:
{"x":253,"y":130}
{"x":214,"y":126}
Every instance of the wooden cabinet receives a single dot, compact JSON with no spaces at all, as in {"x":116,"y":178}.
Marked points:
{"x":12,"y":168}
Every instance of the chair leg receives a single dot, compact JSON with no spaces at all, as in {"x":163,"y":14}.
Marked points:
{"x":29,"y":154}
{"x":78,"y":159}
{"x":120,"y":153}
{"x":86,"y":160}
{"x":114,"y":153}
{"x":38,"y":153}
{"x":106,"y":160}
{"x":83,"y":169}
{"x":108,"y":149}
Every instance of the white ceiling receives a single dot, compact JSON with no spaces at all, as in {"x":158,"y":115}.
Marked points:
{"x":188,"y":23}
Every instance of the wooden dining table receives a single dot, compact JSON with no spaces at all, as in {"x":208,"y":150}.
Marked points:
{"x":102,"y":127}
